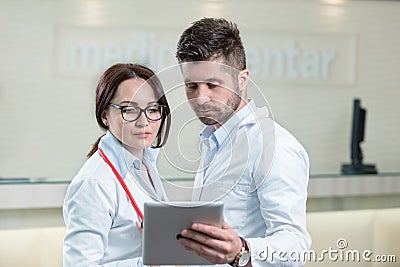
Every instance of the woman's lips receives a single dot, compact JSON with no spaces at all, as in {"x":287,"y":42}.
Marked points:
{"x":143,"y":134}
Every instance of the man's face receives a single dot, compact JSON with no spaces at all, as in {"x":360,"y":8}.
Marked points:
{"x":212,"y":90}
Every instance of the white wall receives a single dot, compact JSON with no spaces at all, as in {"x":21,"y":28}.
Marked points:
{"x":337,"y":51}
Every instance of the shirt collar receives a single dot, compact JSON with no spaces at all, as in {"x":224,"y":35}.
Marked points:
{"x":121,"y":158}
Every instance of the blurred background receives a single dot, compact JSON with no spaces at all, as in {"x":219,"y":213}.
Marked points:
{"x":310,"y":59}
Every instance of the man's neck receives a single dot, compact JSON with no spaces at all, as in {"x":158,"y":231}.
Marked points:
{"x":243,"y":102}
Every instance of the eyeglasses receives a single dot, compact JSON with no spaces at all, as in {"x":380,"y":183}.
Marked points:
{"x":130,"y":113}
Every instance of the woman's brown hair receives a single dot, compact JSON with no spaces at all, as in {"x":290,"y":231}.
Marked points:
{"x":108,"y":85}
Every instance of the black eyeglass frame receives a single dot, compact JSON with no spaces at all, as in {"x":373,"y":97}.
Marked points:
{"x":142,"y":110}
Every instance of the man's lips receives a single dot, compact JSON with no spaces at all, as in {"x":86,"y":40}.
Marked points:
{"x":204,"y":111}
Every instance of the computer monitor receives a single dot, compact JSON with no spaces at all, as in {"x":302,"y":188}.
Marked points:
{"x":357,"y":136}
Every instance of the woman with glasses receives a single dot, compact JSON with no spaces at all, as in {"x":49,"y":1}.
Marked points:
{"x":104,"y":202}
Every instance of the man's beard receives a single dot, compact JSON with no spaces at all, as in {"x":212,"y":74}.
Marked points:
{"x":222,"y":112}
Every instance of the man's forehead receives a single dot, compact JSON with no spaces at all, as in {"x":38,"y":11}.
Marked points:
{"x":205,"y":70}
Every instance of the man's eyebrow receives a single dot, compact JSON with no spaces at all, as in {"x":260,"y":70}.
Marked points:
{"x":209,"y":80}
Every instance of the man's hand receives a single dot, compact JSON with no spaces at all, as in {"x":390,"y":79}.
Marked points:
{"x":217,"y":245}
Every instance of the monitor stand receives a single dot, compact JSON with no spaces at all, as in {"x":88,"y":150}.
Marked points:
{"x":354,"y":169}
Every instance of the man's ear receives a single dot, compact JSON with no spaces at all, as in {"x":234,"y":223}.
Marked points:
{"x":243,"y":80}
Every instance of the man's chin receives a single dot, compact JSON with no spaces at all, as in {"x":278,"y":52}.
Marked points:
{"x":208,"y":121}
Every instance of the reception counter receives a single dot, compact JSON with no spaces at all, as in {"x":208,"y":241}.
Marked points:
{"x":42,"y":193}
{"x":356,"y":209}
{"x":25,"y":203}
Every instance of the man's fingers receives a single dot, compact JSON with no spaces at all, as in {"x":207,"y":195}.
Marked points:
{"x":209,"y":230}
{"x":220,"y":246}
{"x":202,"y":250}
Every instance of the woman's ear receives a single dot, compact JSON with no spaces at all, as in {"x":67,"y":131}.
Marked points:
{"x":104,"y":118}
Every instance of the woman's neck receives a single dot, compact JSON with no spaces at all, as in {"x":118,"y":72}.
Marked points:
{"x":138,"y":153}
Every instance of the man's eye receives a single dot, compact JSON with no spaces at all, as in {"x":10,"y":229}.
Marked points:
{"x":191,"y":85}
{"x":212,"y":85}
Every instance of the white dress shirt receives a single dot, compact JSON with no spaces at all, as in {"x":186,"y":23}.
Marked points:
{"x":98,"y":215}
{"x":260,"y":172}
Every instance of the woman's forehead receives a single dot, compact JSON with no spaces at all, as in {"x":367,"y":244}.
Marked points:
{"x":135,"y":90}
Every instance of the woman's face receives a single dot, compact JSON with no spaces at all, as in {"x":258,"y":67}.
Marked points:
{"x":140,"y":133}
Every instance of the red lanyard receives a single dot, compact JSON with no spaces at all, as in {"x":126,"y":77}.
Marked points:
{"x":121,"y":181}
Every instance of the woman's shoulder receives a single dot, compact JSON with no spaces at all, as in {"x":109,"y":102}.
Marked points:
{"x":94,"y":170}
{"x":93,"y":189}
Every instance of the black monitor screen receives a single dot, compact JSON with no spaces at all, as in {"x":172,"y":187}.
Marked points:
{"x":357,"y":135}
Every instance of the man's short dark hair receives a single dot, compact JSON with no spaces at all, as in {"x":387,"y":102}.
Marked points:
{"x":212,"y":38}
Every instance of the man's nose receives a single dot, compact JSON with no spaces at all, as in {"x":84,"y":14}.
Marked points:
{"x":203,"y":94}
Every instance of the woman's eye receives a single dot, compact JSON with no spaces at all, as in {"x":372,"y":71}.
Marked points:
{"x":129,"y":110}
{"x":153,"y":110}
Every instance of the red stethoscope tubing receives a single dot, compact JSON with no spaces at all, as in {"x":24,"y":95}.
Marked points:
{"x":121,"y":181}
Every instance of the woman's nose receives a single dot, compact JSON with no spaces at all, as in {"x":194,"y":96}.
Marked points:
{"x":142,"y":120}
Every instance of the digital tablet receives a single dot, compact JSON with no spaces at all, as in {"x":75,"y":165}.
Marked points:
{"x":164,"y":221}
